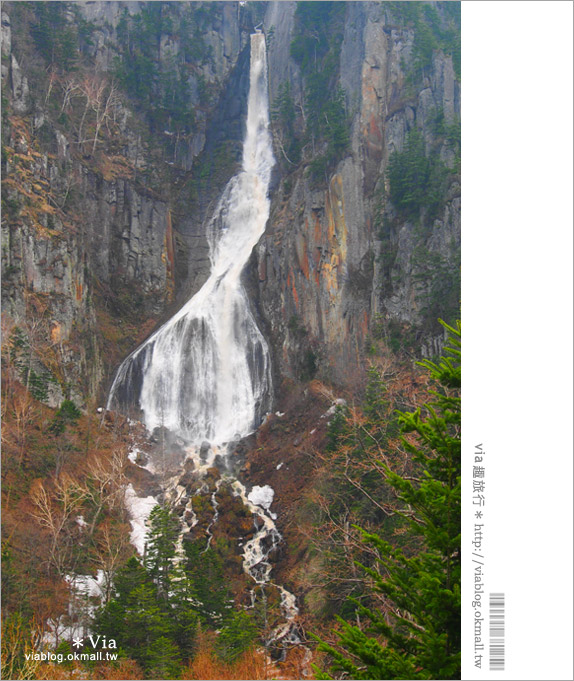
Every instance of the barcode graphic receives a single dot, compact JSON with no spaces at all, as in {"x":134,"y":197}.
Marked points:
{"x":496,"y":631}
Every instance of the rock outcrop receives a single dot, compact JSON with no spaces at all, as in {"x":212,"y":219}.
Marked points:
{"x":101,"y":231}
{"x":326,"y":272}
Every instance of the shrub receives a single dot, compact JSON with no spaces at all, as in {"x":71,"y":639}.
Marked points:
{"x":67,"y":413}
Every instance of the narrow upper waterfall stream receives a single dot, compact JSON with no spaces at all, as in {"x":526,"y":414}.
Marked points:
{"x":205,"y":375}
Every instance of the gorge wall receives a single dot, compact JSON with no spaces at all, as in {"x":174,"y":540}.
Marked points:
{"x":337,"y":255}
{"x":122,"y":121}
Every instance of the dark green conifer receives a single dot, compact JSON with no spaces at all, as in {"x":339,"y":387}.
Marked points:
{"x":160,"y":547}
{"x":204,"y":569}
{"x":236,"y":636}
{"x":416,"y":634}
{"x":183,"y":606}
{"x":163,"y":659}
{"x":135,"y":617}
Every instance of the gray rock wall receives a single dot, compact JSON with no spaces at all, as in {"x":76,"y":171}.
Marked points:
{"x":321,"y":280}
{"x":112,"y":224}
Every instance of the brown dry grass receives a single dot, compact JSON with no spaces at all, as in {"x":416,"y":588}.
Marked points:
{"x":125,"y":669}
{"x":206,"y":666}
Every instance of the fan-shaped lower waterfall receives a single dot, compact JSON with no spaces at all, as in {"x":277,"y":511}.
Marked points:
{"x":205,"y":374}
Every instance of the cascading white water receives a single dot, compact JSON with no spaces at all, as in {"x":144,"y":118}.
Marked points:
{"x":205,"y":374}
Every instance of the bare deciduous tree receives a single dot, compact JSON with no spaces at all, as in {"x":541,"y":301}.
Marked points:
{"x":102,"y":99}
{"x":104,"y":484}
{"x":53,"y":512}
{"x":112,"y":549}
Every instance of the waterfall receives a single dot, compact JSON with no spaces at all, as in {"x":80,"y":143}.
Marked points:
{"x":205,"y":374}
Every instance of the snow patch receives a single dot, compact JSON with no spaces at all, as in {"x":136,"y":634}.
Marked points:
{"x":262,"y":496}
{"x":339,"y":402}
{"x":138,"y":455}
{"x":133,"y":455}
{"x":139,"y":508}
{"x":279,"y":466}
{"x":87,"y":586}
{"x":86,"y":595}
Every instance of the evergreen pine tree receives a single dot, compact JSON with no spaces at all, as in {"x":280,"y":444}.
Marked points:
{"x":111,"y":618}
{"x":132,"y":575}
{"x":204,"y":569}
{"x":145,"y":619}
{"x":183,"y":611}
{"x":160,"y":547}
{"x":236,"y":636}
{"x":163,"y":659}
{"x":417,"y":634}
{"x":135,"y":617}
{"x":152,"y":615}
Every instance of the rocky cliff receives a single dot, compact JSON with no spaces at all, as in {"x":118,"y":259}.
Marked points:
{"x":93,"y":174}
{"x":123,"y":120}
{"x":338,"y":258}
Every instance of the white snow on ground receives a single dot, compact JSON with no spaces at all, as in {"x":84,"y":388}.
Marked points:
{"x":86,"y":593}
{"x":139,"y":508}
{"x":262,"y":496}
{"x":87,"y":586}
{"x":55,"y":633}
{"x":339,"y":402}
{"x":134,"y":455}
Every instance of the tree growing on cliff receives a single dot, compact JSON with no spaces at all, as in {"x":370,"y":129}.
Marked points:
{"x":417,"y":179}
{"x":416,"y":633}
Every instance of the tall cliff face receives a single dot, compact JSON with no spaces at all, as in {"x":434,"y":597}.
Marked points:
{"x":338,"y":258}
{"x":122,"y":122}
{"x":97,"y":226}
